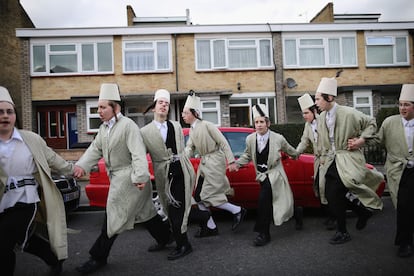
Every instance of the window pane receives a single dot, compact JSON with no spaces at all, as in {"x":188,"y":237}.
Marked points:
{"x":334,"y":51}
{"x":42,"y":124}
{"x":348,"y":51}
{"x":242,"y":43}
{"x":290,"y":52}
{"x":62,"y":123}
{"x":311,"y":57}
{"x":162,"y":55}
{"x":209,"y":104}
{"x":104,"y":57}
{"x":63,"y":48}
{"x":265,"y":59}
{"x":94,"y":123}
{"x":362,"y":100}
{"x":366,"y":110}
{"x":379,"y":55}
{"x":219,"y":48}
{"x":384,"y":40}
{"x":139,"y":61}
{"x":39,"y":59}
{"x":87,"y":57}
{"x":401,"y":49}
{"x":52,"y":124}
{"x":93,"y":110}
{"x":310,"y":42}
{"x":203,"y":54}
{"x":242,"y":58}
{"x":239,"y":101}
{"x":63,"y":63}
{"x":211,"y":117}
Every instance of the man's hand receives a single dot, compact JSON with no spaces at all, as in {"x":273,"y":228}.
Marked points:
{"x":355,"y":143}
{"x":233,"y":167}
{"x":140,"y":185}
{"x":78,"y":171}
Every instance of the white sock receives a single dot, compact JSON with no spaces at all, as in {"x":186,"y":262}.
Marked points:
{"x":234,"y":209}
{"x":210,"y":223}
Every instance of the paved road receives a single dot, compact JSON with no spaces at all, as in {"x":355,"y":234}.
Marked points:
{"x":291,"y":252}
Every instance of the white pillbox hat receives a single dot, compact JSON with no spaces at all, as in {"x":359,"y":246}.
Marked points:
{"x":407,"y":93}
{"x":305,"y":101}
{"x":328,"y":86}
{"x":110,"y":92}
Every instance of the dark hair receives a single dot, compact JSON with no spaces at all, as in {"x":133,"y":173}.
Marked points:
{"x":195,"y":114}
{"x":151,"y":106}
{"x":326,"y":97}
{"x":113,"y":105}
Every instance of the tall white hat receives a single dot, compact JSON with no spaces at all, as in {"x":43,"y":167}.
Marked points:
{"x":328,"y":86}
{"x":407,"y":93}
{"x":162,"y":93}
{"x":5,"y":95}
{"x":192,"y":102}
{"x":305,"y":101}
{"x":110,"y":92}
{"x":260,"y":110}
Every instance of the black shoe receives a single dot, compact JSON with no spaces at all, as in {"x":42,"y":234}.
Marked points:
{"x":299,"y":218}
{"x":330,"y":224}
{"x":56,"y":269}
{"x":238,"y":218}
{"x":206,"y":232}
{"x":405,"y":251}
{"x":362,"y":219}
{"x":180,"y":252}
{"x":90,"y":266}
{"x":340,"y":237}
{"x":261,"y":239}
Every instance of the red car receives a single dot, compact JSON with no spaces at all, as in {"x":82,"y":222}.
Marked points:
{"x":246,"y":189}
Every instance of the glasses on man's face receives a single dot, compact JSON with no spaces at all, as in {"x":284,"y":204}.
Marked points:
{"x":7,"y":111}
{"x":185,"y":113}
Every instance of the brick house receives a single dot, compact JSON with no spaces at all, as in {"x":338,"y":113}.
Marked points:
{"x":12,"y":16}
{"x":231,"y":67}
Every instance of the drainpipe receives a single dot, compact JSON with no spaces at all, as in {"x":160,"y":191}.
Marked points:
{"x":176,"y":63}
{"x":274,"y":72}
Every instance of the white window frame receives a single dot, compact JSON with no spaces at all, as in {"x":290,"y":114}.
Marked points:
{"x":224,"y":59}
{"x":77,"y":42}
{"x":363,"y":94}
{"x":216,"y":109}
{"x":154,"y":43}
{"x":91,"y":104}
{"x":325,"y":46}
{"x":392,"y":37}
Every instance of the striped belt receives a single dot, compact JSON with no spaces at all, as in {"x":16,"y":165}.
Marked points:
{"x":20,"y":183}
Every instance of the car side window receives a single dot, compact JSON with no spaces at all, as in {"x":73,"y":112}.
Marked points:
{"x":237,"y":141}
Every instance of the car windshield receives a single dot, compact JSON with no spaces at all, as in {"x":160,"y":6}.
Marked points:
{"x":237,"y":141}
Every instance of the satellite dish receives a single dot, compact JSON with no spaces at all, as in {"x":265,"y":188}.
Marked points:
{"x":290,"y":83}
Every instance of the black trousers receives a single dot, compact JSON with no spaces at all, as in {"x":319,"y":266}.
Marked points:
{"x":176,"y":213}
{"x":14,"y":227}
{"x":265,"y":208}
{"x":405,"y":209}
{"x":338,"y":203}
{"x":158,"y":229}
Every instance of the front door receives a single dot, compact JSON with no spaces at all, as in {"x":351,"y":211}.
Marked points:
{"x":52,"y":125}
{"x":72,"y":129}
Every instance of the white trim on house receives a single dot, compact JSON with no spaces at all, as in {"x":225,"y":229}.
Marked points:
{"x":200,"y":29}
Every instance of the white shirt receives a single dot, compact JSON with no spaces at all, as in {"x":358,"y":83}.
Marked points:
{"x":330,"y":123}
{"x":262,"y":140}
{"x":17,"y":162}
{"x":314,"y":125}
{"x":163,"y":129}
{"x":409,"y":132}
